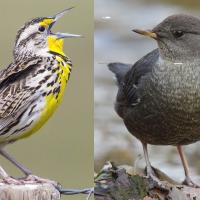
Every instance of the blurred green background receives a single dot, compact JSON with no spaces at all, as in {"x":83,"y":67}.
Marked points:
{"x":63,"y":149}
{"x":115,"y":42}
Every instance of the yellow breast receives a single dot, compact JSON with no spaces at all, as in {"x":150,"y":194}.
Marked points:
{"x":52,"y":101}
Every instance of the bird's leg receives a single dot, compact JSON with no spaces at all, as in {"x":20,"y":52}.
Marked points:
{"x":29,"y":179}
{"x":150,"y":171}
{"x":3,"y":173}
{"x":152,"y":177}
{"x":8,"y":179}
{"x":188,"y":181}
{"x":13,"y":161}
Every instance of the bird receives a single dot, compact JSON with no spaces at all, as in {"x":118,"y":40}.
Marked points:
{"x":158,"y":97}
{"x":33,"y":85}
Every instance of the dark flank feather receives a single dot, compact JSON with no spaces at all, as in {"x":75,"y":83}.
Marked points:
{"x":120,"y":70}
{"x":140,"y":69}
{"x":128,"y":77}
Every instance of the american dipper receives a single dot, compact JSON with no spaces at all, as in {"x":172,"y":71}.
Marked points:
{"x":159,"y":96}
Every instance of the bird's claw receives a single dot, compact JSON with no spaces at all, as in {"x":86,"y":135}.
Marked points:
{"x":12,"y":181}
{"x":155,"y":182}
{"x":32,"y":179}
{"x":188,"y":181}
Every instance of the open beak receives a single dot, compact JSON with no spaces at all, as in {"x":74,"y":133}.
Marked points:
{"x":55,"y":18}
{"x":146,"y":33}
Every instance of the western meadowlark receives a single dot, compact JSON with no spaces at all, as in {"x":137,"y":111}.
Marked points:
{"x":32,"y":86}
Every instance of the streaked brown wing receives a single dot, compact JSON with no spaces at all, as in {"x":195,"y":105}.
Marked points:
{"x":13,"y":102}
{"x":17,"y":68}
{"x":14,"y":95}
{"x":9,"y":121}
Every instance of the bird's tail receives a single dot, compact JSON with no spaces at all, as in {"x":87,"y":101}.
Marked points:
{"x":120,"y":70}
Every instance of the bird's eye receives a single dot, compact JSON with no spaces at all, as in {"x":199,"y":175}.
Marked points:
{"x":41,"y":28}
{"x":177,"y":34}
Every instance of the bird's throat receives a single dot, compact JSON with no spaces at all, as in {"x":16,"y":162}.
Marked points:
{"x":56,"y":45}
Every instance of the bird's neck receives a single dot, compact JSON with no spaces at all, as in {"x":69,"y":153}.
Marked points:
{"x":55,"y":45}
{"x":46,"y":52}
{"x":183,"y":56}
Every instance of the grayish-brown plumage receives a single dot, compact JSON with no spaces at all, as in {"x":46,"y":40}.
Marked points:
{"x":159,"y":96}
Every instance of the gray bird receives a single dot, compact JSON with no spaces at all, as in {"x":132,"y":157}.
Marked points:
{"x":159,"y":96}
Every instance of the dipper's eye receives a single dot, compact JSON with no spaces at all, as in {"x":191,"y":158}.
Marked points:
{"x":41,"y":28}
{"x":177,"y":34}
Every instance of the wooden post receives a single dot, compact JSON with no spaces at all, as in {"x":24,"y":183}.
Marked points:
{"x":29,"y":192}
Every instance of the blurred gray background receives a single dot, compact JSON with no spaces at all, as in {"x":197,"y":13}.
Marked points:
{"x":63,"y":149}
{"x":114,"y":41}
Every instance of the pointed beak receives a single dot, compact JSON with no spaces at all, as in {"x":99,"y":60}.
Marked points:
{"x":55,"y":18}
{"x":66,"y":35}
{"x":146,"y":33}
{"x":60,"y":14}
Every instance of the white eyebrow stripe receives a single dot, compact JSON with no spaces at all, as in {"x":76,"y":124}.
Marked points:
{"x":27,"y":32}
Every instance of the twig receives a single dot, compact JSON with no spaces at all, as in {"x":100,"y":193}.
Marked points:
{"x":88,"y":191}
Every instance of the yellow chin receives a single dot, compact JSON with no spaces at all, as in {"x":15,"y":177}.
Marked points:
{"x":55,"y":45}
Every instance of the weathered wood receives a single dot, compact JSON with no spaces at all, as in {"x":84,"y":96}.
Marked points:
{"x":29,"y":192}
{"x":116,"y":183}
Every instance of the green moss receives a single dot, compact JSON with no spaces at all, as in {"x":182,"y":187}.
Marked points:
{"x":116,"y":184}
